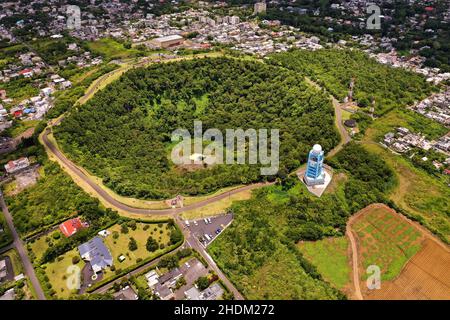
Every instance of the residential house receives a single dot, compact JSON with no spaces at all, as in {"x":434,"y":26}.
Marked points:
{"x":96,"y":253}
{"x":126,"y":293}
{"x":72,"y":226}
{"x":152,"y":278}
{"x":16,"y":165}
{"x":213,"y":292}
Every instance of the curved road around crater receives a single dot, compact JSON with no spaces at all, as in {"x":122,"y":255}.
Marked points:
{"x":99,"y":192}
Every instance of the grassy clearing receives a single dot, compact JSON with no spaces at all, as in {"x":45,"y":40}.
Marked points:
{"x":41,"y":244}
{"x":345,"y":115}
{"x":386,"y":240}
{"x":57,"y":272}
{"x":330,"y":257}
{"x":111,"y":49}
{"x":408,"y":119}
{"x":22,"y":126}
{"x":217,"y":207}
{"x":159,"y":232}
{"x":276,"y":280}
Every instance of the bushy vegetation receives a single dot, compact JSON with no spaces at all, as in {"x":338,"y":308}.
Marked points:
{"x":123,"y":133}
{"x":5,"y":235}
{"x":260,"y":244}
{"x":67,"y":98}
{"x":370,"y":177}
{"x":334,"y":69}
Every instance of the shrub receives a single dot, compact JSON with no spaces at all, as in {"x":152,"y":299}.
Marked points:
{"x":152,"y":244}
{"x":132,"y":245}
{"x":75,"y":259}
{"x":202,"y":283}
{"x":124,"y":228}
{"x":132,"y":224}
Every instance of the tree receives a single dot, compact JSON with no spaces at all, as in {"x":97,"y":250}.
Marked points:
{"x":152,"y":244}
{"x":202,"y":283}
{"x":124,"y":228}
{"x":175,"y":236}
{"x":75,"y":259}
{"x":132,"y":245}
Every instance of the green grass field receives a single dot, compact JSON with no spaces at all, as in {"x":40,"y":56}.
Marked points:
{"x":386,"y":240}
{"x":111,"y":49}
{"x":57,"y":272}
{"x":330,"y":257}
{"x":41,"y":244}
{"x":281,"y":278}
{"x":119,"y":246}
{"x":21,"y":126}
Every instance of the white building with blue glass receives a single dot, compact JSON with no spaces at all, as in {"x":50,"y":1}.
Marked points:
{"x":315,"y":174}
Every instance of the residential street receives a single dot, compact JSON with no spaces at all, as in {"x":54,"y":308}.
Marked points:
{"x":19,"y":245}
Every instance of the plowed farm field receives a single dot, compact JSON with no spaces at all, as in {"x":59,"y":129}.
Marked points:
{"x":413,"y":263}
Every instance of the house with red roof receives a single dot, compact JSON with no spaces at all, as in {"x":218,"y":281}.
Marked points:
{"x":72,"y":226}
{"x":27,"y":73}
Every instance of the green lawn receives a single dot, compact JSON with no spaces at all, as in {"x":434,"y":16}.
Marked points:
{"x":41,"y":244}
{"x":119,"y":246}
{"x":57,"y":272}
{"x":330,"y":257}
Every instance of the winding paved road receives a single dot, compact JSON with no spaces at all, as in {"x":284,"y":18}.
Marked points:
{"x":18,"y":244}
{"x":189,"y":238}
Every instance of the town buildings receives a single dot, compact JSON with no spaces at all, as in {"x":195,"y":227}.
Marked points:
{"x":14,"y":166}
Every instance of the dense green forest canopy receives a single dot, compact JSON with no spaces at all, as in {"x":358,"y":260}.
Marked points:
{"x":334,"y":69}
{"x":260,"y":244}
{"x":123,"y":133}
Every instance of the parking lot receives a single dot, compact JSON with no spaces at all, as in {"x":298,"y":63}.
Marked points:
{"x":215,"y":226}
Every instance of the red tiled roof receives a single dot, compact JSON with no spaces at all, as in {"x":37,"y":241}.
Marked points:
{"x":25,"y":71}
{"x":70,"y":227}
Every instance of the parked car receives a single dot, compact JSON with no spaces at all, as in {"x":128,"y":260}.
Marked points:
{"x":208,"y":238}
{"x":206,"y":221}
{"x":195,"y":223}
{"x":218,"y":230}
{"x":209,"y":220}
{"x":187,"y":223}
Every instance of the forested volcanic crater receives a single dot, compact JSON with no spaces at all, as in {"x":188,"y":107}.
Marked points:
{"x":123,"y":133}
